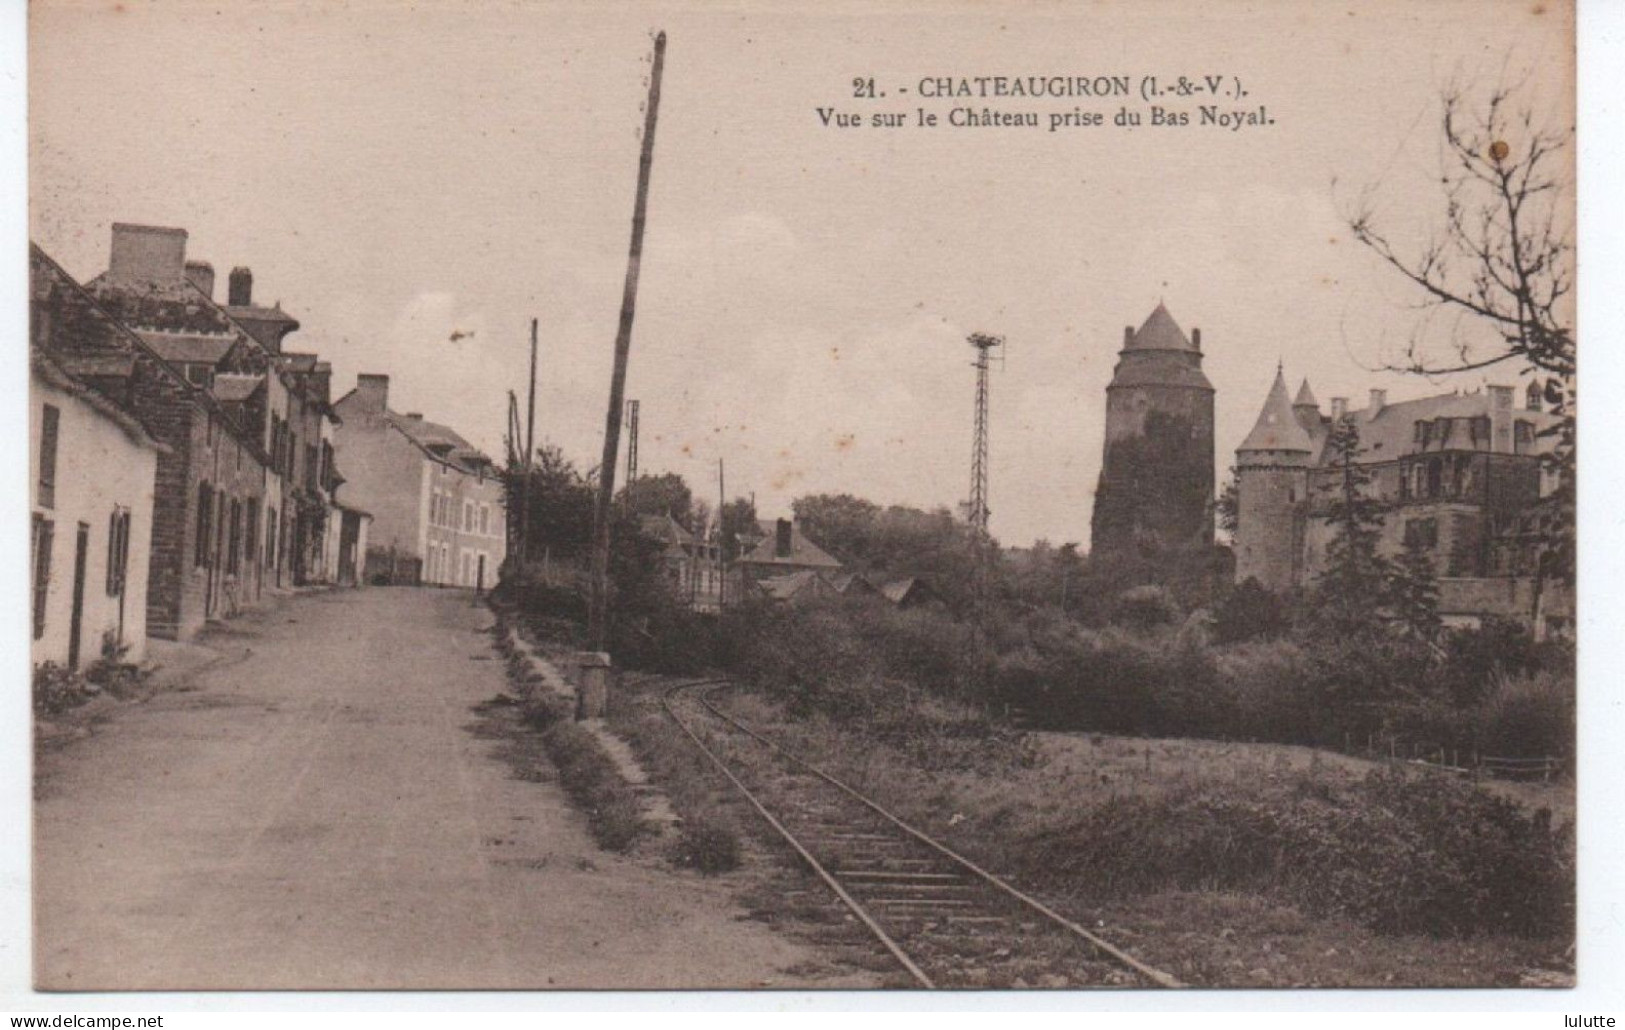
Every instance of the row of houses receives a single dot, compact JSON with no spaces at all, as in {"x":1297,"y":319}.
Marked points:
{"x":184,"y":464}
{"x":187,"y":461}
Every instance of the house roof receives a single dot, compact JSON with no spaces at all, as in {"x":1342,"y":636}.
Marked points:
{"x":1160,"y":332}
{"x":665,"y":529}
{"x":1277,"y":428}
{"x":897,"y":590}
{"x":442,"y":443}
{"x":188,"y":348}
{"x":787,"y":586}
{"x":43,"y":269}
{"x":1391,"y":431}
{"x":803,"y":552}
{"x":81,"y":365}
{"x":54,"y":372}
{"x":234,"y":388}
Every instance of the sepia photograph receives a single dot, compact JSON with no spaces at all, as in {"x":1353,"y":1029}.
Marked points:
{"x":676,"y":496}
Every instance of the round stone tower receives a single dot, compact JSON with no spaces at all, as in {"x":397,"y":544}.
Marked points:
{"x":1272,"y":485}
{"x":1156,"y":483}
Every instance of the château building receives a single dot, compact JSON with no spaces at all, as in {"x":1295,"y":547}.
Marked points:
{"x":1457,"y":475}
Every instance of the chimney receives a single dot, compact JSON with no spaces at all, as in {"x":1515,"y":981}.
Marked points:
{"x":202,"y":275}
{"x":781,"y":542}
{"x":1501,"y":419}
{"x":240,"y":288}
{"x":1196,"y":338}
{"x":1379,"y":398}
{"x":1128,"y":336}
{"x":373,"y":393}
{"x":414,"y":416}
{"x":147,"y":255}
{"x":1340,"y":407}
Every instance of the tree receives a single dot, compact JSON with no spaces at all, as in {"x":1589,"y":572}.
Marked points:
{"x":1503,"y":261}
{"x":1228,"y":506}
{"x":842,"y":524}
{"x":1413,"y":591}
{"x":561,"y":504}
{"x":665,"y":494}
{"x":738,"y":522}
{"x":1352,"y":591}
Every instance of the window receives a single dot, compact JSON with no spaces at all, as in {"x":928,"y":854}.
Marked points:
{"x":485,"y":518}
{"x":205,"y":506}
{"x":118,"y":550}
{"x":43,"y":530}
{"x":251,"y":529}
{"x":270,"y":538}
{"x":1422,"y":533}
{"x":468,"y":516}
{"x":49,"y":426}
{"x":234,"y":536}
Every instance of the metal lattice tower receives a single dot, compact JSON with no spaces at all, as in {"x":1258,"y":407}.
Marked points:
{"x":978,"y":513}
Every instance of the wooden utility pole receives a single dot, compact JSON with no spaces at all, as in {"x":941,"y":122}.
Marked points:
{"x":530,"y":454}
{"x":722,"y":540}
{"x":598,"y":602}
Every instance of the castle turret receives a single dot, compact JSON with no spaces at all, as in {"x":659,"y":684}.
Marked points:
{"x":1307,"y":408}
{"x":1156,"y":480}
{"x":1272,"y":483}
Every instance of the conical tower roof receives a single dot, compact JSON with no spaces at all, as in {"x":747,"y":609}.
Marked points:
{"x":1277,"y":428}
{"x":1160,"y":332}
{"x":1306,"y":397}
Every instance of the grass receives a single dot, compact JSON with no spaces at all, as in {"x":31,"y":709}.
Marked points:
{"x":1197,"y":854}
{"x":587,"y":773}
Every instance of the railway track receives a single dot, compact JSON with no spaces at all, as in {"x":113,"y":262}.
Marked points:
{"x":943,"y":919}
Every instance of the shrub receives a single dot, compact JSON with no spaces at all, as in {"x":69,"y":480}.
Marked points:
{"x":1400,"y":854}
{"x":1145,"y":606}
{"x":1247,"y":611}
{"x":57,"y":689}
{"x":1530,"y":716}
{"x":707,"y":847}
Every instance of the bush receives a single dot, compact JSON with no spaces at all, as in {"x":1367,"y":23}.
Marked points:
{"x":57,"y":689}
{"x":1530,"y":716}
{"x":1400,"y":854}
{"x":707,"y":847}
{"x":1249,"y":611}
{"x":1145,"y":606}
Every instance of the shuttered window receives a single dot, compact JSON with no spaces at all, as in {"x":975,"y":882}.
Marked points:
{"x":118,"y":551}
{"x":49,"y":427}
{"x":43,"y":530}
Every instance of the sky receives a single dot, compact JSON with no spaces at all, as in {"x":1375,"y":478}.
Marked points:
{"x":395,"y":174}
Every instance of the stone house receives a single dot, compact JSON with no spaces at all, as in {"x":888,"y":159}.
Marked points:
{"x":436,"y":501}
{"x":92,"y":472}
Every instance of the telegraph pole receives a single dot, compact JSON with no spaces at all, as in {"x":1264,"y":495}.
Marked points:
{"x":598,"y":602}
{"x":722,"y":543}
{"x":530,"y":451}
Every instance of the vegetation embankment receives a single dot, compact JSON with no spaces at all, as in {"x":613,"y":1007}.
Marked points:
{"x":587,"y":773}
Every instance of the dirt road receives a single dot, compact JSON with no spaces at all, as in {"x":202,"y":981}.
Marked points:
{"x":316,"y":812}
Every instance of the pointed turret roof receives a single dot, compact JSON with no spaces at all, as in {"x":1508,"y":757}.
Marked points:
{"x":1160,"y":332}
{"x":1277,"y":428}
{"x":1306,"y":397}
